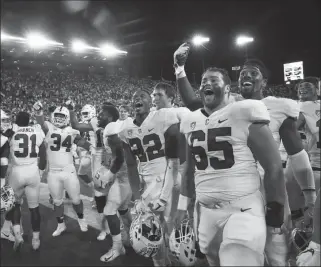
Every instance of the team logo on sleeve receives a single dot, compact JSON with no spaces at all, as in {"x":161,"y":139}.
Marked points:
{"x":139,"y":131}
{"x":193,"y":124}
{"x":130,"y":133}
{"x":317,"y":112}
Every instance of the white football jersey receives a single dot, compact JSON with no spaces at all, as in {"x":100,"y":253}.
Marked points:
{"x":311,"y":113}
{"x":24,"y":145}
{"x":225,"y":166}
{"x":59,"y":144}
{"x":147,"y":141}
{"x":112,"y":129}
{"x":279,"y":110}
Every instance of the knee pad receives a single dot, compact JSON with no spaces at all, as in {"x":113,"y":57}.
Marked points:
{"x":35,"y":219}
{"x":58,"y":202}
{"x":100,"y":203}
{"x":114,"y":224}
{"x":85,"y":178}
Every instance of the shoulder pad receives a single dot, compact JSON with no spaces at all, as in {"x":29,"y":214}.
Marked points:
{"x":251,"y":110}
{"x":112,"y":128}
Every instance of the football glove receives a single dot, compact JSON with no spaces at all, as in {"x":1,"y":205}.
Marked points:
{"x":181,"y":54}
{"x":70,"y":104}
{"x":140,"y":206}
{"x":38,"y":108}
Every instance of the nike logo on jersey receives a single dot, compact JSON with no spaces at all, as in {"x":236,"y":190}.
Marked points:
{"x":150,"y":129}
{"x":5,"y":235}
{"x":219,"y":121}
{"x":242,"y":210}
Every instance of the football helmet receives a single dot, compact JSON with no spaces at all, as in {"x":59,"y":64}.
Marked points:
{"x":182,"y":243}
{"x":300,"y":239}
{"x":5,"y":122}
{"x":88,"y":112}
{"x":60,"y":117}
{"x":7,"y":198}
{"x":146,"y":234}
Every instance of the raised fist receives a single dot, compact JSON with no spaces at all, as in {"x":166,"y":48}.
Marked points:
{"x":181,"y":54}
{"x":70,"y":104}
{"x":38,"y":108}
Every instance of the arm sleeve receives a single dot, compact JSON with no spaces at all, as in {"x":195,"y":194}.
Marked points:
{"x":292,"y":108}
{"x":259,"y":112}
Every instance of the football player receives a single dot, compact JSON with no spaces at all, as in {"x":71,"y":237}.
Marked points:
{"x":224,"y":141}
{"x":153,"y":139}
{"x":88,"y":112}
{"x":283,"y":113}
{"x":98,"y":157}
{"x":311,"y":255}
{"x":114,"y":176}
{"x":6,"y":232}
{"x":62,"y":173}
{"x":26,"y":145}
{"x":309,"y":118}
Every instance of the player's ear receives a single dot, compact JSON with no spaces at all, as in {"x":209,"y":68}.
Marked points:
{"x":227,"y":89}
{"x":264,"y":83}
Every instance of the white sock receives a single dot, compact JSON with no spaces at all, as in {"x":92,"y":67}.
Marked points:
{"x":35,"y":235}
{"x":117,"y":242}
{"x":17,"y":229}
{"x":91,"y":186}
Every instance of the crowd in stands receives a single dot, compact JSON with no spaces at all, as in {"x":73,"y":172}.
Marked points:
{"x":21,"y":90}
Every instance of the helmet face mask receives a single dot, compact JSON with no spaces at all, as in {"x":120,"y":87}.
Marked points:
{"x":146,"y":234}
{"x":88,"y":112}
{"x":60,"y":117}
{"x":7,"y":198}
{"x":182,"y":244}
{"x":300,"y":239}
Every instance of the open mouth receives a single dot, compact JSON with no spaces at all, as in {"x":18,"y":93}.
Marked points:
{"x":208,"y":92}
{"x":247,"y":84}
{"x":138,"y":105}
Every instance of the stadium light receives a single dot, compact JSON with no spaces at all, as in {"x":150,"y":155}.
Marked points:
{"x":79,"y":46}
{"x":199,"y":40}
{"x":37,"y":40}
{"x":7,"y":37}
{"x":244,"y":40}
{"x":108,"y":50}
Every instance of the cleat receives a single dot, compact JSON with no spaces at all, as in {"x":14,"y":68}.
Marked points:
{"x":18,"y":243}
{"x":7,"y":235}
{"x":61,"y":228}
{"x":112,"y":254}
{"x":83,"y":225}
{"x":102,"y":236}
{"x":35,"y":243}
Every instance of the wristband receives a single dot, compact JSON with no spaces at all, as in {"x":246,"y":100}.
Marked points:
{"x":274,"y":214}
{"x":180,"y":72}
{"x":183,"y":202}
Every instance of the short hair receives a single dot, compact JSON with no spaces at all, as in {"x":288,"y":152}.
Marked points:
{"x":314,"y":80}
{"x":259,"y":64}
{"x":23,"y":119}
{"x":108,"y":104}
{"x":125,"y":107}
{"x":112,"y":110}
{"x":168,"y":88}
{"x":224,"y":72}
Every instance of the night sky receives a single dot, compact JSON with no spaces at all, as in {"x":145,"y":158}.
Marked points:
{"x":150,"y":30}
